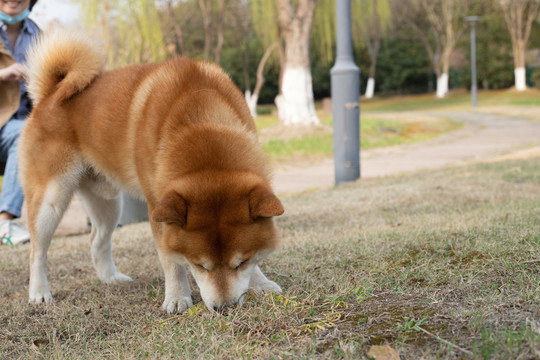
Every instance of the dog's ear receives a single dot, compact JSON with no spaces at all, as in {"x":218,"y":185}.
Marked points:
{"x":263,"y":203}
{"x":171,"y":209}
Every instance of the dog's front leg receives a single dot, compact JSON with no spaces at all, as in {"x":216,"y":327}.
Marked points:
{"x":260,"y":283}
{"x":177,"y":290}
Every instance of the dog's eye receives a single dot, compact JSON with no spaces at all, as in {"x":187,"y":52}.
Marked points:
{"x":240,"y":265}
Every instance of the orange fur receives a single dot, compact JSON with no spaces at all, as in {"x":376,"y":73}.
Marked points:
{"x":177,"y":133}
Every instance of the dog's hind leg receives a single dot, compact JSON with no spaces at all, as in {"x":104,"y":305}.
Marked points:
{"x":46,"y":205}
{"x":103,"y":204}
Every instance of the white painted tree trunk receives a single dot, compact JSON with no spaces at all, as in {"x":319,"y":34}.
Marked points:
{"x":251,"y":100}
{"x":370,"y":88}
{"x":520,"y":79}
{"x":295,"y":103}
{"x":442,"y":85}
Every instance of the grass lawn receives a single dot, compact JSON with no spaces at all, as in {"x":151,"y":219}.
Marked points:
{"x":388,"y":121}
{"x":455,"y":100}
{"x":438,"y":265}
{"x":283,"y":144}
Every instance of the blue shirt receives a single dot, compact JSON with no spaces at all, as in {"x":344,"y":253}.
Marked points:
{"x":26,"y":38}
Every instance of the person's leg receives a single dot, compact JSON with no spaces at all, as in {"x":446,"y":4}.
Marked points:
{"x":11,"y":199}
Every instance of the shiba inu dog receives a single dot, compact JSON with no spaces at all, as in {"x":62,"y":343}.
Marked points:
{"x":177,"y":133}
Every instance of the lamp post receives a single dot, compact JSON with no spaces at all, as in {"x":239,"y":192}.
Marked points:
{"x":472,"y":20}
{"x":345,"y":100}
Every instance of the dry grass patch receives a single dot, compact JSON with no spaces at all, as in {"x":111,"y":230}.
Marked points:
{"x":438,"y":265}
{"x":301,"y":144}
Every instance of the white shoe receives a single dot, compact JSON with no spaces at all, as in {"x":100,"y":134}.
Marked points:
{"x":13,"y":233}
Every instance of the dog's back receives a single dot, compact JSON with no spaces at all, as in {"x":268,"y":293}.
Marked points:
{"x":113,"y":119}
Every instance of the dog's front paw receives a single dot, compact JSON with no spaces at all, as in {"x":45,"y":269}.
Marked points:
{"x":177,"y":305}
{"x":43,"y":297}
{"x":116,"y":278}
{"x":266,"y":287}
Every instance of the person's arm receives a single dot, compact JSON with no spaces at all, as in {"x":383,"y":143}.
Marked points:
{"x":13,"y":72}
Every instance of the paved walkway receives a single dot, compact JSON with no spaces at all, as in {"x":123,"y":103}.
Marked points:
{"x":482,"y":137}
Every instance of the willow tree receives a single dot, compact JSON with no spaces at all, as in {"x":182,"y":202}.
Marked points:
{"x":324,"y":30}
{"x":519,"y":16}
{"x":374,"y":17}
{"x":131,"y":30}
{"x":212,"y":13}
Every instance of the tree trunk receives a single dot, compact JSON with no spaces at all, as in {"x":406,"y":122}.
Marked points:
{"x":206,"y":9}
{"x":177,"y":29}
{"x":281,"y":54}
{"x":370,"y":88}
{"x":519,"y":16}
{"x":219,"y":32}
{"x":245,"y":69}
{"x":296,"y":103}
{"x":520,"y":79}
{"x":253,"y":98}
{"x":373,"y":35}
{"x":373,"y":53}
{"x":442,"y":81}
{"x":442,"y":85}
{"x":519,"y":48}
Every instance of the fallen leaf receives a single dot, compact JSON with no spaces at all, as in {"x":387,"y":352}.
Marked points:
{"x":384,"y":352}
{"x":41,"y":342}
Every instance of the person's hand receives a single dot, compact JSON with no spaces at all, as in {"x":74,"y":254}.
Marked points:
{"x":13,"y":72}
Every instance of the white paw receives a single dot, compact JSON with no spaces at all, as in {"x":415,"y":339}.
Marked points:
{"x":43,"y":297}
{"x":116,"y":278}
{"x":177,"y":305}
{"x":267,"y":287}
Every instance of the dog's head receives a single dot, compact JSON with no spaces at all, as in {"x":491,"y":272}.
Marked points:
{"x":220,"y":227}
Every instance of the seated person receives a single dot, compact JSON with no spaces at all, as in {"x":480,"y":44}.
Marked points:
{"x":17,"y":34}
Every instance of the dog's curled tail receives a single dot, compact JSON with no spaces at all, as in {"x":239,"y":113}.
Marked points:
{"x":63,"y":63}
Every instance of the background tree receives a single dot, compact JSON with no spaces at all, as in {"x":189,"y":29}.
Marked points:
{"x":172,"y":29}
{"x":519,"y":16}
{"x":295,"y":103}
{"x":242,"y":37}
{"x":264,"y":17}
{"x":131,"y":31}
{"x":252,"y":98}
{"x":373,"y":18}
{"x":212,"y":13}
{"x":438,"y":24}
{"x":410,"y":51}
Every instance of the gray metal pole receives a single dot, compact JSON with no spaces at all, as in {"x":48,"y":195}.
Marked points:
{"x":345,"y":100}
{"x":473,"y":20}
